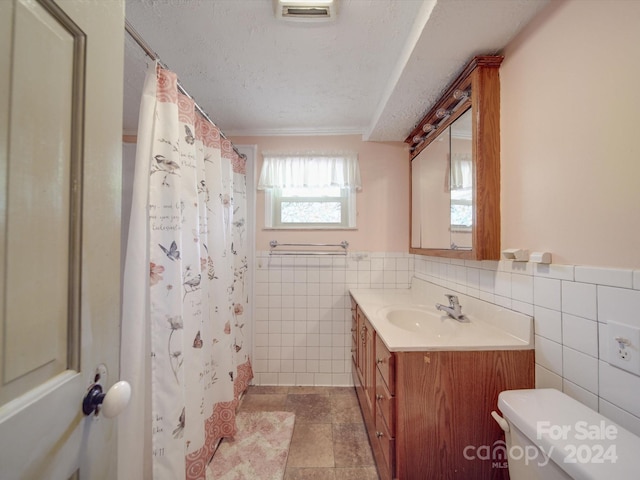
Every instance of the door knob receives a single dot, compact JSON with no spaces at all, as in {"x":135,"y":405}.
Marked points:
{"x":111,"y":403}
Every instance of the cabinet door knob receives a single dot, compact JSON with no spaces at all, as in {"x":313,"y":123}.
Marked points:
{"x":379,"y":434}
{"x":380,"y":360}
{"x":379,"y":396}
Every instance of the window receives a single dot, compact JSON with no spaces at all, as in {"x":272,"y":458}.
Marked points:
{"x":461,"y":209}
{"x":313,"y":191}
{"x":310,"y":207}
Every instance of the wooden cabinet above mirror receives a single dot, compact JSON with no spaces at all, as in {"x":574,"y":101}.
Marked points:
{"x":455,"y":168}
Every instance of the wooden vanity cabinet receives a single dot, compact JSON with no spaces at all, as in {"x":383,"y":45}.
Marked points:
{"x":363,"y":348}
{"x":368,"y":367}
{"x":354,"y":334}
{"x":431,"y":410}
{"x":385,"y":425}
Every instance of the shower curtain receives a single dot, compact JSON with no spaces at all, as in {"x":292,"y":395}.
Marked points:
{"x":184,"y":292}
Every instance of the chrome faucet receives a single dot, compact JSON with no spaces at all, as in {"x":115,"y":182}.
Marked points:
{"x":454,"y":310}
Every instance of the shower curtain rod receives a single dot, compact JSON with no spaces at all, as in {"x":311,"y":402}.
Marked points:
{"x":154,"y":56}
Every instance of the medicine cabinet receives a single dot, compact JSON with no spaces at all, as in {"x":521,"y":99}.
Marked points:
{"x":455,"y":168}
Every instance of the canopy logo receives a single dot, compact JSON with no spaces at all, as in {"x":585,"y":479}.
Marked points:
{"x":581,"y":443}
{"x":498,"y":454}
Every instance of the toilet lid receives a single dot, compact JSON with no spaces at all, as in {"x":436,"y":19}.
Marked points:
{"x":580,"y":441}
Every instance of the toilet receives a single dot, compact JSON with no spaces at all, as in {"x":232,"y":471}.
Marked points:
{"x":551,"y":436}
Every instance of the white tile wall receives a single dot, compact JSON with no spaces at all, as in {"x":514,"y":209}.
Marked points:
{"x":579,"y":299}
{"x":571,"y":306}
{"x":547,"y":323}
{"x":580,"y":368}
{"x":303,"y":313}
{"x":549,"y":354}
{"x":580,"y":334}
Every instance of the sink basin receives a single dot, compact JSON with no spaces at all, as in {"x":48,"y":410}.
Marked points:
{"x":406,"y":320}
{"x":418,"y":319}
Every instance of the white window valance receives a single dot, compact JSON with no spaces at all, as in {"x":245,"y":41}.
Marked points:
{"x":281,"y":170}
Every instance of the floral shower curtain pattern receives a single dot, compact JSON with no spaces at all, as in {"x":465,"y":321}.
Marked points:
{"x":187,"y":239}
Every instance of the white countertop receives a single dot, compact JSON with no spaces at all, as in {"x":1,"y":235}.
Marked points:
{"x":489,"y":326}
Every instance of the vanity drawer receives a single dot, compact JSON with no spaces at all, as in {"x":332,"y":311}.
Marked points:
{"x":385,"y":404}
{"x":387,"y":445}
{"x":385,"y":362}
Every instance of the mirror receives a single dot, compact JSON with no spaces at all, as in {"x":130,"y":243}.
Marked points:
{"x":455,"y":169}
{"x":442,"y":190}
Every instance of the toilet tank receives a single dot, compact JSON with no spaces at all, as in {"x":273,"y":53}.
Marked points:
{"x":571,"y":440}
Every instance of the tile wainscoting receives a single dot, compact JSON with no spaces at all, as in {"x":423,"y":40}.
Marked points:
{"x":302,"y":313}
{"x":302,"y":318}
{"x":571,"y":306}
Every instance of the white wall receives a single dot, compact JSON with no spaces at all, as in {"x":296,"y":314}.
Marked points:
{"x":570,"y":151}
{"x":382,"y":205}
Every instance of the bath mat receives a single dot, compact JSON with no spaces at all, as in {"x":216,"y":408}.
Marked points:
{"x":259,"y":449}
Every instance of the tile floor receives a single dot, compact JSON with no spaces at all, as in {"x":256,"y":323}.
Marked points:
{"x":329,"y":438}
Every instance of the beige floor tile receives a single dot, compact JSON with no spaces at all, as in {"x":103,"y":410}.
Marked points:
{"x":329,"y":440}
{"x":311,"y":474}
{"x":359,"y":473}
{"x":311,"y":446}
{"x":351,"y":445}
{"x":309,"y":408}
{"x":263,"y":403}
{"x":341,"y":391}
{"x":345,"y":409}
{"x":262,"y":389}
{"x":304,"y":390}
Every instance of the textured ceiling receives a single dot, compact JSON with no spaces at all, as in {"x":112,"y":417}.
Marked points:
{"x":374,"y":71}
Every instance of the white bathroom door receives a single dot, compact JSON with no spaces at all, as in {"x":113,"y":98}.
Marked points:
{"x":60,"y":161}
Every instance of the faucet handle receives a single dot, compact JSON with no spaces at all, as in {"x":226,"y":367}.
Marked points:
{"x":453,"y":299}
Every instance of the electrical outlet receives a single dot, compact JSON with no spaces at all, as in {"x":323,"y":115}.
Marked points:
{"x":624,"y":346}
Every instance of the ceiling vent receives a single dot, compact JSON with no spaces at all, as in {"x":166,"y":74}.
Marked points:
{"x":305,"y":10}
